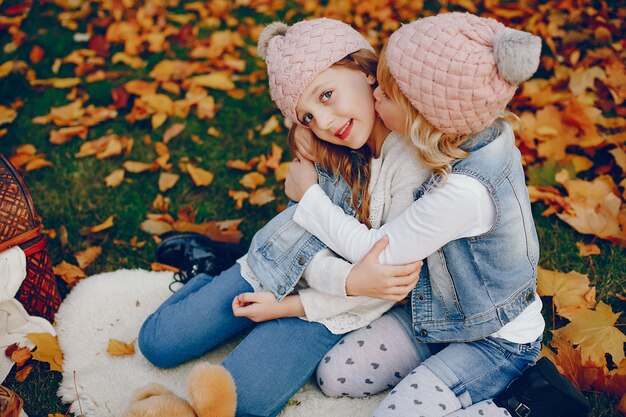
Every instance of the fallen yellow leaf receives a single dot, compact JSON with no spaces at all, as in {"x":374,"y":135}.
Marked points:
{"x":261,"y":196}
{"x":570,"y":292}
{"x":119,"y":348}
{"x":167,"y":180}
{"x":48,"y":350}
{"x":115,"y":178}
{"x":87,"y":256}
{"x":218,"y":80}
{"x":595,"y":333}
{"x":71,"y":274}
{"x":252,"y":180}
{"x":200,"y":177}
{"x":102,"y":226}
{"x":7,"y":115}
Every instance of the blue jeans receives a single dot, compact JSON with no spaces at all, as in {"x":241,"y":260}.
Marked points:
{"x":272,"y":362}
{"x":474,"y":371}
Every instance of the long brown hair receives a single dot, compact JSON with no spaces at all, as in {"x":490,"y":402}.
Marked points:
{"x":353,"y":165}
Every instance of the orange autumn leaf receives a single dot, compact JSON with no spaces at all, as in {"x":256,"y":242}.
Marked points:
{"x":167,"y":180}
{"x":137,"y":167}
{"x":570,"y":292}
{"x":593,"y":207}
{"x":587,"y":250}
{"x":87,"y":256}
{"x":60,"y":83}
{"x":37,"y":163}
{"x":119,"y":348}
{"x":108,"y":223}
{"x":261,"y":196}
{"x":141,"y":88}
{"x":158,"y":267}
{"x":206,"y":108}
{"x":281,"y":171}
{"x":21,"y":355}
{"x":115,"y":178}
{"x":66,"y":134}
{"x":274,"y":160}
{"x":47,"y":350}
{"x":22,"y":374}
{"x":252,"y":180}
{"x":220,"y":231}
{"x":36,"y":54}
{"x":7,"y":115}
{"x":173,"y":131}
{"x":155,"y":227}
{"x":200,"y":177}
{"x":71,"y":274}
{"x":595,"y":333}
{"x":239,"y":197}
{"x":218,"y":80}
{"x":271,"y":125}
{"x":239,"y":164}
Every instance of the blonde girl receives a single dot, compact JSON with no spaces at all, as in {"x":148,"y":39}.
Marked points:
{"x":473,"y":322}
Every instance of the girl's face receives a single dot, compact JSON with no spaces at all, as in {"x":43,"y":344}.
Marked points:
{"x":338,"y":106}
{"x":389,"y":111}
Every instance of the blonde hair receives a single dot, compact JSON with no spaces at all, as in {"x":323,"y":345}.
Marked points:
{"x":353,"y":165}
{"x":436,"y":149}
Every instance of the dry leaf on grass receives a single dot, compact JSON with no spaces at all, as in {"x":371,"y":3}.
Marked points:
{"x":115,"y":178}
{"x":48,"y":350}
{"x":71,"y":274}
{"x":252,"y":180}
{"x":87,"y":256}
{"x":21,"y":355}
{"x":595,"y":333}
{"x":200,"y":177}
{"x":22,"y":374}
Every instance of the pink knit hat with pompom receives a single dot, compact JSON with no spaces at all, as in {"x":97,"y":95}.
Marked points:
{"x":459,"y":70}
{"x":296,"y":54}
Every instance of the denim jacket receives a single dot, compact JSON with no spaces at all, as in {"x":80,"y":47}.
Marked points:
{"x":471,"y":287}
{"x":281,"y":250}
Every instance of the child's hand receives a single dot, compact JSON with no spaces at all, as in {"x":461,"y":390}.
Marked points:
{"x":262,"y":306}
{"x":305,"y":143}
{"x":300,"y":177}
{"x":373,"y":279}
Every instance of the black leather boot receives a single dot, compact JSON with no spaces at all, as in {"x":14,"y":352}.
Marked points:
{"x":543,"y":392}
{"x":193,"y":253}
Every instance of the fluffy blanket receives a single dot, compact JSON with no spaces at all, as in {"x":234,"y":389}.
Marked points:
{"x":112,"y":306}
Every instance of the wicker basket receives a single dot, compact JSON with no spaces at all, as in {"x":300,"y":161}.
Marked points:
{"x":20,"y":226}
{"x":10,"y":403}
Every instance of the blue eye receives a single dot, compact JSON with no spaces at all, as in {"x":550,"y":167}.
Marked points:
{"x":326,"y":95}
{"x":307,"y":119}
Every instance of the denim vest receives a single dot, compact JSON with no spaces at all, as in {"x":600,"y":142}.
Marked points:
{"x":281,"y":250}
{"x":471,"y":287}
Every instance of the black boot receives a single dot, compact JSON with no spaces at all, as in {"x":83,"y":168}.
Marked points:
{"x":193,"y":253}
{"x":543,"y":392}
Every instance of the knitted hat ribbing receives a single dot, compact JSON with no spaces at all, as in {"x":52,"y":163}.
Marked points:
{"x":459,"y":70}
{"x":296,"y":54}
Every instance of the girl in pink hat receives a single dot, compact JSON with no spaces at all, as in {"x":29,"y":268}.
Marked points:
{"x":473,"y":323}
{"x":321,"y":76}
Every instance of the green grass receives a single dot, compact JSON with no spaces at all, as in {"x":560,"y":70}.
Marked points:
{"x":72,"y":193}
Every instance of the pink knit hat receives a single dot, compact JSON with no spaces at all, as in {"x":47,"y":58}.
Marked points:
{"x":459,"y":70}
{"x":296,"y":54}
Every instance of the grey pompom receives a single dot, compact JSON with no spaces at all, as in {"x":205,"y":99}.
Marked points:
{"x":271,"y":30}
{"x":517,"y":54}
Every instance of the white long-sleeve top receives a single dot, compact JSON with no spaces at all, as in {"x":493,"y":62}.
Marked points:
{"x":393,"y":177}
{"x":462,"y":208}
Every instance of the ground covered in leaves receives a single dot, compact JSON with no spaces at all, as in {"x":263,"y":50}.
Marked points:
{"x":131,"y":118}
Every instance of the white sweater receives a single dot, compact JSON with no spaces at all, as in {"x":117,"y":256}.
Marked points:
{"x":393,"y":177}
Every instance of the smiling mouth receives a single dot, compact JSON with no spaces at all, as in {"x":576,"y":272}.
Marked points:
{"x":344,"y":131}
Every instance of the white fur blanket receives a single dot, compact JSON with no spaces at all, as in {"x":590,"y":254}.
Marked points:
{"x":114,"y":305}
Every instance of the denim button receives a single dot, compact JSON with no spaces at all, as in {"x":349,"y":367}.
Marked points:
{"x":423,"y":333}
{"x":281,"y":290}
{"x":301,"y":260}
{"x":421,"y":297}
